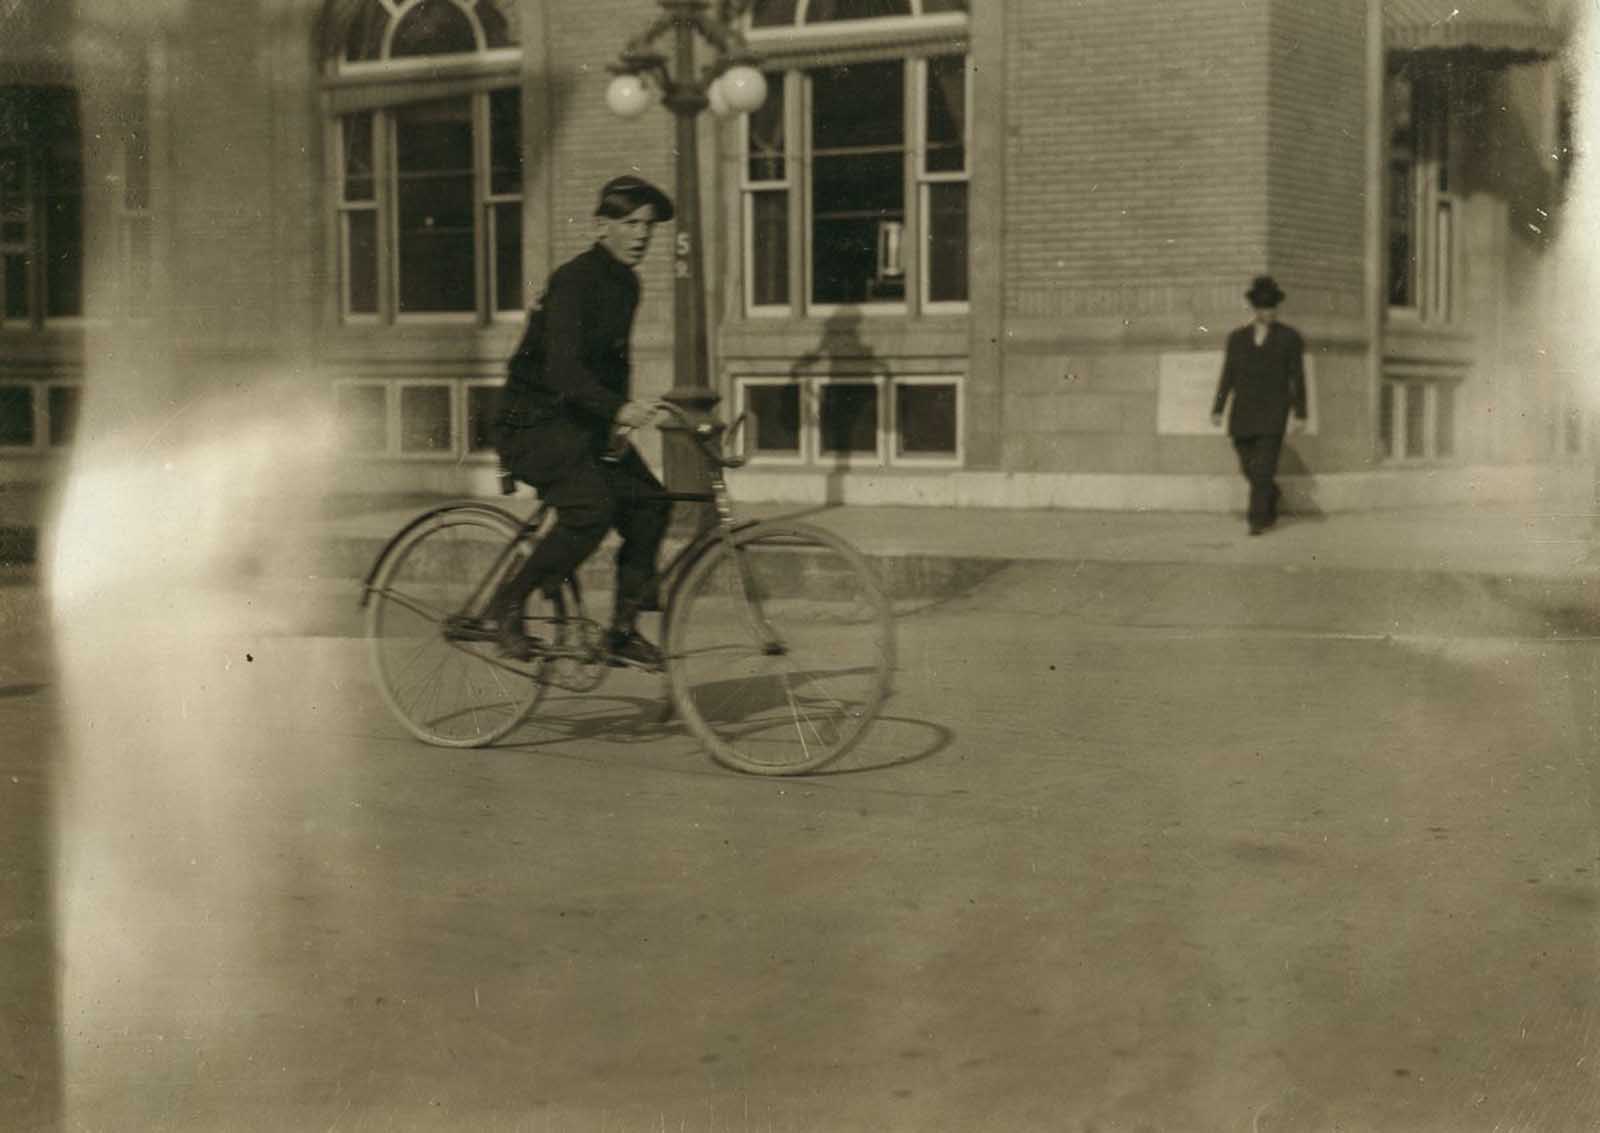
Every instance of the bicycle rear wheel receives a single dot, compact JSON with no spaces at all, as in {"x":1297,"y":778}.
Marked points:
{"x":780,"y":651}
{"x":433,"y":656}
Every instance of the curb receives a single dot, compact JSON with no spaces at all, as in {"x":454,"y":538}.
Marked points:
{"x":1184,"y":594}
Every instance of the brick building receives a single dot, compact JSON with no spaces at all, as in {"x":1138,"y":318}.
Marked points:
{"x":973,"y":251}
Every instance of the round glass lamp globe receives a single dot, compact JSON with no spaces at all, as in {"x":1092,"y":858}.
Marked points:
{"x":628,"y":96}
{"x":744,"y":88}
{"x":717,"y":99}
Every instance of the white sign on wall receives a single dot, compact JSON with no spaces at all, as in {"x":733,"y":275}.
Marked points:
{"x":1188,"y":384}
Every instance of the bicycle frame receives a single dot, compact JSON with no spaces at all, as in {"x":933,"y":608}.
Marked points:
{"x":725,"y":527}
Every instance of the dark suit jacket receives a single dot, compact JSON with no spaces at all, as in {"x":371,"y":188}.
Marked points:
{"x":570,"y":374}
{"x":1265,"y":381}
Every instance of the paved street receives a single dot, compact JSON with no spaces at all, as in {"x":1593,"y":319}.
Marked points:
{"x":1092,"y":872}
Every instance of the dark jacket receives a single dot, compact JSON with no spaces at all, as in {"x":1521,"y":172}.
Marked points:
{"x":570,"y":373}
{"x":1266,"y":381}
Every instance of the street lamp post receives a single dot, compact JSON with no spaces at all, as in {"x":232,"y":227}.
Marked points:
{"x":729,"y":83}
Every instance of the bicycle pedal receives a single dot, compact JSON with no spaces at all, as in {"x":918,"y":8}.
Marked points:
{"x":628,"y":663}
{"x":467,"y":629}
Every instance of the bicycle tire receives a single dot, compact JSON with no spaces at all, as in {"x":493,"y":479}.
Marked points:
{"x":789,"y":701}
{"x":448,"y":692}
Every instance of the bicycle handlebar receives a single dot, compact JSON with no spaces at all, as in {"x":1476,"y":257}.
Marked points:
{"x":711,"y":436}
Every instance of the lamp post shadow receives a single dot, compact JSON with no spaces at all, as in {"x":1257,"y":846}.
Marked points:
{"x":838,"y":384}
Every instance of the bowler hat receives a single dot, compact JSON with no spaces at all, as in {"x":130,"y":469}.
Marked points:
{"x":1264,"y":292}
{"x":636,"y":190}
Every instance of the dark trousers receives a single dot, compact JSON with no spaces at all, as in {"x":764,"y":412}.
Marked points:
{"x":591,"y":497}
{"x":1258,"y":460}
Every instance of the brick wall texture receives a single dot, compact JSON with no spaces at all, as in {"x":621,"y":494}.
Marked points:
{"x":1137,"y":159}
{"x":1158,"y":154}
{"x":1315,"y":166}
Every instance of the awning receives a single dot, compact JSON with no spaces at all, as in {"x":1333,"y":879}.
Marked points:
{"x":1518,"y":27}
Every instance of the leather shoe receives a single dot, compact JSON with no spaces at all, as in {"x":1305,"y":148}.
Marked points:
{"x":512,"y":643}
{"x":630,"y":648}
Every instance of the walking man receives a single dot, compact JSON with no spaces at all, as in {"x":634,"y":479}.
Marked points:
{"x":567,"y":391}
{"x":1264,"y":374}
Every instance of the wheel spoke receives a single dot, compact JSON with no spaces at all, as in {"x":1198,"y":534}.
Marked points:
{"x":780,"y":711}
{"x":450,"y":692}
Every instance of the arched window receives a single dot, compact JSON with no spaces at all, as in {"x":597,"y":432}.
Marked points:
{"x":426,"y":112}
{"x":801,"y":13}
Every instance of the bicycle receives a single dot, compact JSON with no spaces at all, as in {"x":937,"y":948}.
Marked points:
{"x":778,"y":636}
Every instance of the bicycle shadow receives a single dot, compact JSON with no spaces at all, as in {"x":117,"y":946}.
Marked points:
{"x":629,"y":720}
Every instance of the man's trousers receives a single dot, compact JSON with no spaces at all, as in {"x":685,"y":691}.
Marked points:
{"x":591,"y":497}
{"x":1258,"y":460}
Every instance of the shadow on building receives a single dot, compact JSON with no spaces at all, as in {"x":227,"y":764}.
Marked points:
{"x":838,"y":384}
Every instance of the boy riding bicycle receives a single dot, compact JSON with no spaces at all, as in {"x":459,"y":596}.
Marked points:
{"x":566,"y":394}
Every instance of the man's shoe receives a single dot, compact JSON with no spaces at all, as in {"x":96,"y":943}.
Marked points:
{"x":512,"y":643}
{"x":1256,"y":529}
{"x":630,"y":648}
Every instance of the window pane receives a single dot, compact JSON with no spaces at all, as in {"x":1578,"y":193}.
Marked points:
{"x":508,"y":257}
{"x":498,"y":31}
{"x":769,"y":248}
{"x":1444,"y":433}
{"x":1416,"y":415}
{"x":13,"y":195}
{"x":64,"y":258}
{"x":858,"y":181}
{"x":433,"y":27}
{"x":62,"y":408}
{"x":361,"y":261}
{"x":925,"y":417}
{"x":481,"y":404}
{"x":929,"y":7}
{"x":1402,"y":248}
{"x":425,"y":419}
{"x":947,"y":242}
{"x":774,"y":417}
{"x":505,"y":141}
{"x":767,"y":142}
{"x":824,"y":11}
{"x":356,"y":130}
{"x":15,"y":286}
{"x":16,"y":415}
{"x":772,"y":13}
{"x":947,"y":114}
{"x":1402,"y":190}
{"x":63,"y":222}
{"x":849,"y":418}
{"x":362,"y":417}
{"x":365,"y":40}
{"x":433,"y":144}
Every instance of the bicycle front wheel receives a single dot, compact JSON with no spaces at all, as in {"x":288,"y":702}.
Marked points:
{"x":780,"y":649}
{"x":433,"y":655}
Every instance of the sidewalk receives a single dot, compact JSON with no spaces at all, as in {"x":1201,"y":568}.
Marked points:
{"x":1526,"y":570}
{"x":1505,"y":541}
{"x":1444,"y":570}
